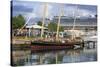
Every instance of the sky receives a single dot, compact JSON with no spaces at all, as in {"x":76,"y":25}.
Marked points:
{"x":35,"y":9}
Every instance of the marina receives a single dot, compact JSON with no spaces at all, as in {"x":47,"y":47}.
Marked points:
{"x":53,"y":35}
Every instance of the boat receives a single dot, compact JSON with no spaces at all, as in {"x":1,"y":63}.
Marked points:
{"x":55,"y":44}
{"x":51,"y":45}
{"x":90,"y":36}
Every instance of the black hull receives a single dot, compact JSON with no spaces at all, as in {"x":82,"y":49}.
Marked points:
{"x":39,"y":46}
{"x":51,"y":44}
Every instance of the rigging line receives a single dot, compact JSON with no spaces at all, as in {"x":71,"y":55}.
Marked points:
{"x":23,"y":25}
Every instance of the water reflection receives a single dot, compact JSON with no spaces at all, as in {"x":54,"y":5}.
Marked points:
{"x":79,"y":56}
{"x":27,"y":57}
{"x":20,"y":57}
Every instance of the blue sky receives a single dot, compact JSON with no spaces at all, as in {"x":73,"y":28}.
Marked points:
{"x":35,"y":9}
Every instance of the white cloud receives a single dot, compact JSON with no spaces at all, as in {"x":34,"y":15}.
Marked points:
{"x":31,"y":15}
{"x":85,"y":13}
{"x":38,"y":10}
{"x":53,"y":10}
{"x":78,"y":12}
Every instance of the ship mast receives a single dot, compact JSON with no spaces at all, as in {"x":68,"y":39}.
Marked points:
{"x":58,"y":25}
{"x":44,"y":15}
{"x":75,"y":17}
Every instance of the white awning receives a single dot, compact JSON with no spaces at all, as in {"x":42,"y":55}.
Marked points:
{"x":36,"y":27}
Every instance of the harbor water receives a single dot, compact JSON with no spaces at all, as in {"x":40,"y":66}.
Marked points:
{"x":27,"y":57}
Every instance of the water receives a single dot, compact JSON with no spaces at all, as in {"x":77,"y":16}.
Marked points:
{"x":26,"y":57}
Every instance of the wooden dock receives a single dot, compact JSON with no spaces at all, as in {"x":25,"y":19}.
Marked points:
{"x":20,"y":41}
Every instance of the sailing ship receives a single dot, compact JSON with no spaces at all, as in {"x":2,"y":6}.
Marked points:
{"x":56,"y":43}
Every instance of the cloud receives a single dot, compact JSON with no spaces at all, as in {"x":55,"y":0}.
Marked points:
{"x":20,"y":8}
{"x":85,"y":13}
{"x":39,"y":10}
{"x":35,"y":9}
{"x":79,"y":12}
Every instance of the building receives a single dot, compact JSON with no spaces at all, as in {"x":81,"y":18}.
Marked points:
{"x":80,"y":23}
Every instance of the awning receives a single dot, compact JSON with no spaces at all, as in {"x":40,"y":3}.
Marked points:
{"x":36,"y":27}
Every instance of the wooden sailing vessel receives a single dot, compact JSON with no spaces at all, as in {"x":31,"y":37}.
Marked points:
{"x":56,"y":44}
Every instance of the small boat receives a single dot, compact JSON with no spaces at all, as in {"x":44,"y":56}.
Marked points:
{"x":90,"y":38}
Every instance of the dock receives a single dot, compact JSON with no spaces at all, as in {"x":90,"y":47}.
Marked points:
{"x":21,"y":41}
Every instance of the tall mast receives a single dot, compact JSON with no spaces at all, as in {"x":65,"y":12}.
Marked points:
{"x":58,"y":25}
{"x":74,"y":15}
{"x":44,"y":15}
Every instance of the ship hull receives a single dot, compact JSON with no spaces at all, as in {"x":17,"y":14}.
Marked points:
{"x":50,"y":46}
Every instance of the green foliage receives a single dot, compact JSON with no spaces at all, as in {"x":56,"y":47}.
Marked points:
{"x":39,"y":23}
{"x":61,"y":29}
{"x":18,"y":21}
{"x":53,"y":27}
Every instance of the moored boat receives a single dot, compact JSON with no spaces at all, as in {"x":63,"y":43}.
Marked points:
{"x":43,"y":45}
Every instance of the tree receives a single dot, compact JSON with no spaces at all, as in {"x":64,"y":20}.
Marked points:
{"x":61,"y":28}
{"x":53,"y":27}
{"x":39,"y":23}
{"x":18,"y":22}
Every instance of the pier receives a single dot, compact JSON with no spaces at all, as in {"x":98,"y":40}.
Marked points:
{"x":90,"y":44}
